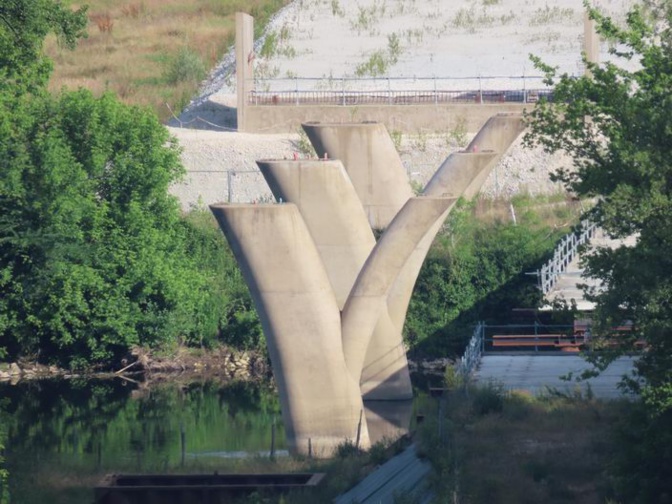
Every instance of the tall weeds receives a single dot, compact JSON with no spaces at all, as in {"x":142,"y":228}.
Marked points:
{"x":135,"y":38}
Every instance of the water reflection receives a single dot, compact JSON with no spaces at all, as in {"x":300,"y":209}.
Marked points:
{"x":76,"y":427}
{"x":77,"y":417}
{"x":62,"y":436}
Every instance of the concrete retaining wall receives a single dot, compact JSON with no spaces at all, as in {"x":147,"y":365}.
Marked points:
{"x":403,"y":118}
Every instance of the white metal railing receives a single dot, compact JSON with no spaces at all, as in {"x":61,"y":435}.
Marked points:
{"x":564,"y":254}
{"x":395,"y":91}
{"x":473,"y":352}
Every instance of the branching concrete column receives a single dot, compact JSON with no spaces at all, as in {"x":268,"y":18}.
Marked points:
{"x":372,"y":163}
{"x":321,"y":403}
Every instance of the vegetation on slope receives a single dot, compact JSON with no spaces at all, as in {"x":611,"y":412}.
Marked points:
{"x":475,"y":270}
{"x":152,"y":53}
{"x":95,"y":256}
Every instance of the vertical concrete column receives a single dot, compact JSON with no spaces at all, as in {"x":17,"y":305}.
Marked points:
{"x":591,"y":40}
{"x":460,"y":174}
{"x":332,"y":212}
{"x":340,"y":229}
{"x":244,"y":63}
{"x":369,"y":294}
{"x":388,"y":420}
{"x":372,"y":163}
{"x":454,"y":175}
{"x":321,"y":402}
{"x":496,"y":135}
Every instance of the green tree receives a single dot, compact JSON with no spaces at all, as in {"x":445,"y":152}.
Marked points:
{"x":24,"y":24}
{"x":95,"y":255}
{"x":4,"y":473}
{"x":93,"y":251}
{"x":616,"y":124}
{"x":474,"y":271}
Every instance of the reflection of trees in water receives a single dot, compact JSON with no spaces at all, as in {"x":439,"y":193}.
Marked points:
{"x":101,"y":418}
{"x":51,"y":415}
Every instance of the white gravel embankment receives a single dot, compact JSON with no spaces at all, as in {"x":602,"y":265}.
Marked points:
{"x":434,"y":38}
{"x":209,"y":155}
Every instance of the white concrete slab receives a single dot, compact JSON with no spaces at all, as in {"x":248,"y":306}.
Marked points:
{"x":536,"y":373}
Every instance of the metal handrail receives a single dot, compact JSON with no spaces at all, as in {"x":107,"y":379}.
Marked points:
{"x":564,"y":254}
{"x":472,"y":354}
{"x":534,"y":335}
{"x":394,"y":91}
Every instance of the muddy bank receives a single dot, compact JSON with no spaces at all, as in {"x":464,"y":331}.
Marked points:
{"x":186,"y":363}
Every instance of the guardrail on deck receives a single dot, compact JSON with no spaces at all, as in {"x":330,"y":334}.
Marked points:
{"x":564,"y":254}
{"x":397,"y":91}
{"x":535,"y":337}
{"x":473,"y":352}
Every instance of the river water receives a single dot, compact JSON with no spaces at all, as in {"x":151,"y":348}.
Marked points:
{"x":62,"y":436}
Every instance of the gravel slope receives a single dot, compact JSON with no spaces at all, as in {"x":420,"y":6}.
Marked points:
{"x":442,"y":38}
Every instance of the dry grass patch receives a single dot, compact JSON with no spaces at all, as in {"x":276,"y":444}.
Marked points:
{"x":514,"y":448}
{"x":556,"y":210}
{"x":132,"y":47}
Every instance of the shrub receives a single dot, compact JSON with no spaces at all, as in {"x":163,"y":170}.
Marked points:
{"x":185,"y":66}
{"x":104,"y":22}
{"x":488,"y":399}
{"x":347,"y":449}
{"x":375,"y":66}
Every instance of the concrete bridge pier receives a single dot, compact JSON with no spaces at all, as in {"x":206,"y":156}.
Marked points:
{"x":321,"y":402}
{"x":338,"y":224}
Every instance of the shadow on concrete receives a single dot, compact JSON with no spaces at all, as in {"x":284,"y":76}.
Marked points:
{"x":388,"y":420}
{"x":207,"y":115}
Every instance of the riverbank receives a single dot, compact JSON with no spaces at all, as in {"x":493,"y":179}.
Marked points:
{"x":188,"y":363}
{"x":185,"y":364}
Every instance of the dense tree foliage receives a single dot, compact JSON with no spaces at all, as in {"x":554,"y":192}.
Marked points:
{"x":4,"y":474}
{"x":616,"y":124}
{"x":95,"y":256}
{"x":475,"y":271}
{"x":23,"y":26}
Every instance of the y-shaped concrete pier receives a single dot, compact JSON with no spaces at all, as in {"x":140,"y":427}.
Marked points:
{"x":385,"y":372}
{"x":331,"y":300}
{"x":321,"y":401}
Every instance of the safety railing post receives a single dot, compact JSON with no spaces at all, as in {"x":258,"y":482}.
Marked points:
{"x":564,"y":254}
{"x":480,"y":90}
{"x":482,"y":330}
{"x":296,"y":87}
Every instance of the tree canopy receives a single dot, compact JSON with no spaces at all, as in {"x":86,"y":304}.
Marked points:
{"x":95,"y":254}
{"x":24,"y":24}
{"x":616,"y":124}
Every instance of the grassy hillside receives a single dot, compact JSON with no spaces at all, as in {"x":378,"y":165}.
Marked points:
{"x":153,"y":52}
